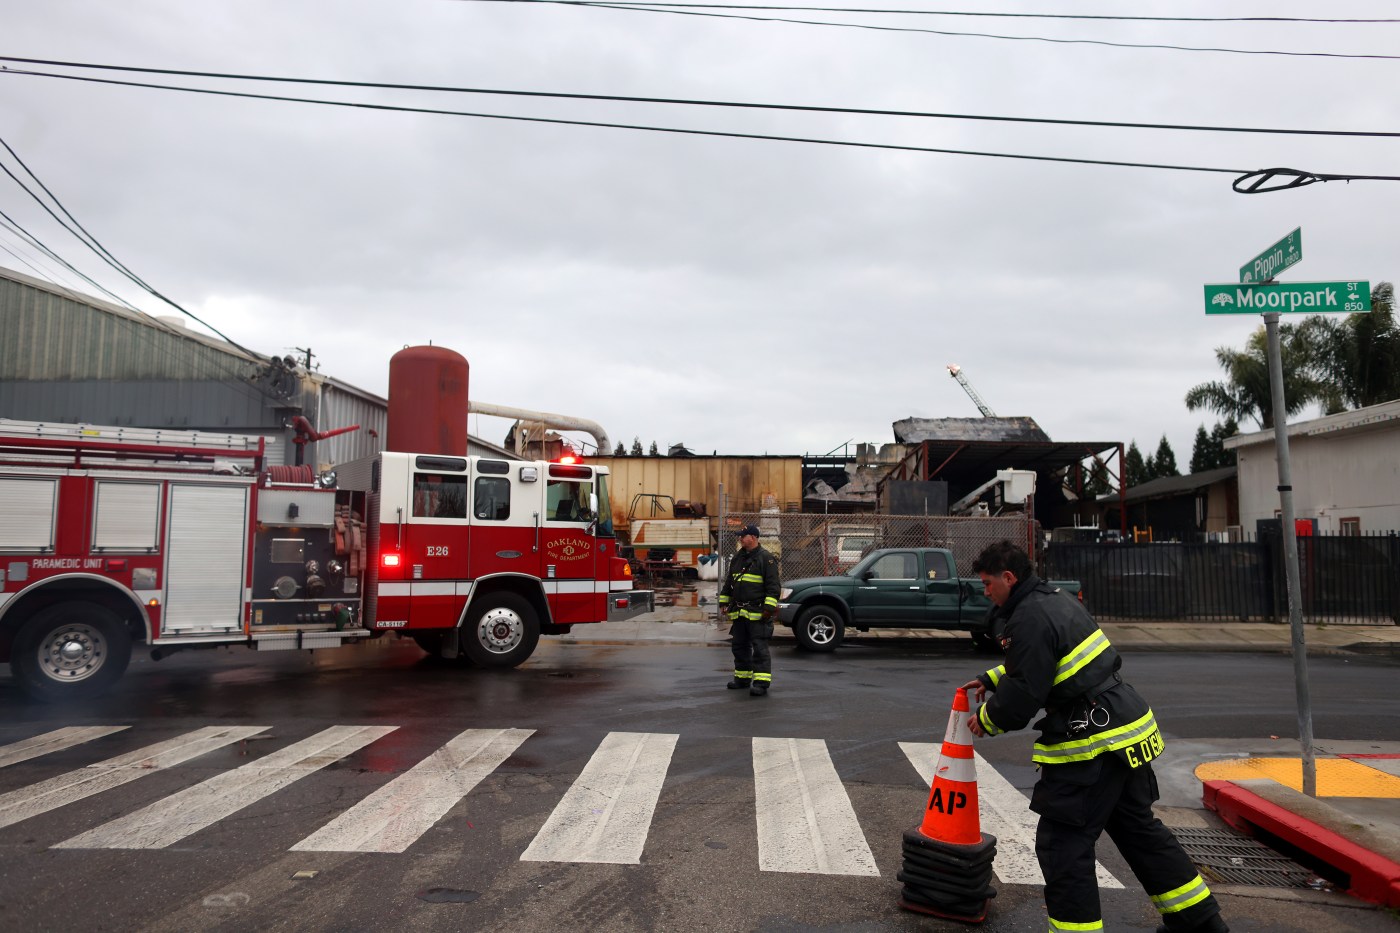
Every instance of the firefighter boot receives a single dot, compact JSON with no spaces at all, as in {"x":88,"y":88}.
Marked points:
{"x":759,"y":688}
{"x":1214,"y":924}
{"x":738,"y":683}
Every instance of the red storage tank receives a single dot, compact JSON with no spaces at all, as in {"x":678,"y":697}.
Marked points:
{"x":427,"y":402}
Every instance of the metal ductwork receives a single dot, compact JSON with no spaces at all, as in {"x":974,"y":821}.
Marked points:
{"x":546,"y":418}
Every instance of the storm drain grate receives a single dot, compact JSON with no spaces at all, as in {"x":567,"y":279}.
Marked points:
{"x":1229,"y":858}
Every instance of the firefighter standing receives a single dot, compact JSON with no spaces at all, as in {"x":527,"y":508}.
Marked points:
{"x":750,"y":598}
{"x":1097,"y":740}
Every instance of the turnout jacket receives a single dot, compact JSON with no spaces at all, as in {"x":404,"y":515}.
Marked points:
{"x":1058,"y":659}
{"x":751,"y":586}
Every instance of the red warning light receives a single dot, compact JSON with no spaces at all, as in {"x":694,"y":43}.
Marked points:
{"x":390,"y":560}
{"x":568,"y":458}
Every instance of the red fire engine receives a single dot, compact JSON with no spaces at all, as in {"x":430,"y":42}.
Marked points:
{"x":181,"y":539}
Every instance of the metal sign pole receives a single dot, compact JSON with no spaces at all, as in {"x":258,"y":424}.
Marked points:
{"x":1290,"y":556}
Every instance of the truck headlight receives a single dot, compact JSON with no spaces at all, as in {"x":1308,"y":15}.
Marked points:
{"x":785,"y":592}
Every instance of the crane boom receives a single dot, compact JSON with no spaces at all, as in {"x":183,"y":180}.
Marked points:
{"x":955,"y":371}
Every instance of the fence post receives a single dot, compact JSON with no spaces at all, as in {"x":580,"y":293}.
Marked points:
{"x":721,"y":558}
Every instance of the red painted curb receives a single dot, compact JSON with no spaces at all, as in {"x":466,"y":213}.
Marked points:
{"x":1373,"y":877}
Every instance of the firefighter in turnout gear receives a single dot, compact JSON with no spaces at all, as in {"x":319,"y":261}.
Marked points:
{"x":1097,"y":741}
{"x":749,"y":597}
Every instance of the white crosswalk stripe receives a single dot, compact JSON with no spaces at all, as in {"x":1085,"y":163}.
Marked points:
{"x":393,"y":817}
{"x":606,"y":813}
{"x":805,"y":819}
{"x":94,"y":779}
{"x":54,"y":741}
{"x":1004,"y":814}
{"x":169,"y":820}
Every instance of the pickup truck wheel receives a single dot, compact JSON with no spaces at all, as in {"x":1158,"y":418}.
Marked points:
{"x":503,"y":633}
{"x":70,"y":650}
{"x":819,"y":628}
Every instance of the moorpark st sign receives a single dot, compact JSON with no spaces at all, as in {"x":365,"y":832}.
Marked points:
{"x":1306,"y":297}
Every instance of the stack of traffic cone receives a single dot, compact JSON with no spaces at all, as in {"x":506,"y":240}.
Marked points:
{"x":948,"y":859}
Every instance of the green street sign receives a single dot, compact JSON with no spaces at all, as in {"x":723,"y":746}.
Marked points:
{"x":1303,"y":297}
{"x":1275,"y":259}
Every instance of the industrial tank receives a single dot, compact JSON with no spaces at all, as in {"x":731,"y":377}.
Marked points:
{"x":428,"y":402}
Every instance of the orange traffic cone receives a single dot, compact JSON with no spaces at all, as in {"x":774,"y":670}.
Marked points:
{"x":952,"y":814}
{"x":948,"y":859}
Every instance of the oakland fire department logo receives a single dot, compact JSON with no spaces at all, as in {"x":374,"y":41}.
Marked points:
{"x":568,"y":549}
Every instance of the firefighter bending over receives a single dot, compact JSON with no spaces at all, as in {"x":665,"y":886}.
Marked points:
{"x":750,"y":598}
{"x":1097,"y":740}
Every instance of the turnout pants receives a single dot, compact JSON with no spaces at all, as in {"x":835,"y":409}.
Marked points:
{"x":752,"y":660}
{"x":1079,"y":801}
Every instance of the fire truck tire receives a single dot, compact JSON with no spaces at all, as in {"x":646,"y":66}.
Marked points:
{"x":819,"y":628}
{"x":502,"y":633}
{"x":70,"y":650}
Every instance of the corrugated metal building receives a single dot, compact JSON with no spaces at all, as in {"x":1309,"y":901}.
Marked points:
{"x":69,"y":357}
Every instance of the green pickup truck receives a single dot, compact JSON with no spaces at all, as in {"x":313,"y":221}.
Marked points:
{"x":890,"y":588}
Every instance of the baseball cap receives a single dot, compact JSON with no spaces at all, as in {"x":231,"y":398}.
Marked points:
{"x":747,"y":530}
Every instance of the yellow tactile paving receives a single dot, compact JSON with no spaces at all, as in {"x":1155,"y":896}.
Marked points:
{"x":1336,"y":777}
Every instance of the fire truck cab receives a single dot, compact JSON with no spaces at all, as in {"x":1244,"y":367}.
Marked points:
{"x":111,"y":537}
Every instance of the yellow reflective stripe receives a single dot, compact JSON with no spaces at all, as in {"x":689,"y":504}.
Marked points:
{"x":770,"y":601}
{"x":987,"y":725}
{"x":1193,"y":892}
{"x":723,"y":600}
{"x":1084,"y":749}
{"x":994,"y":675}
{"x":763,"y":678}
{"x":748,"y":615}
{"x":750,"y":578}
{"x":743,"y":675}
{"x":1058,"y":925}
{"x":1083,"y":653}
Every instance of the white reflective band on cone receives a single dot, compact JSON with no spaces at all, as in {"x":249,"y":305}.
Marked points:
{"x":956,"y":769}
{"x":958,"y":732}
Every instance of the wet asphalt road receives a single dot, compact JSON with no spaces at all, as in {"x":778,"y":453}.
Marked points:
{"x":699,"y":868}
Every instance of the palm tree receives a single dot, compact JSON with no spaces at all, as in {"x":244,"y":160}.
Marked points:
{"x":1245,"y":391}
{"x":1358,"y":357}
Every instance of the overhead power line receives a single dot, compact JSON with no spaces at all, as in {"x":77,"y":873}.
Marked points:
{"x":977,"y":13}
{"x":91,"y":242}
{"x":1309,"y":177}
{"x":669,"y":101}
{"x":598,"y":4}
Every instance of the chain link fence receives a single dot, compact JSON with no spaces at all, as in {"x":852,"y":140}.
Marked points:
{"x":808,"y":545}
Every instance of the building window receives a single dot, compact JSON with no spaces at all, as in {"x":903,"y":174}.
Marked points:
{"x":1351,"y":527}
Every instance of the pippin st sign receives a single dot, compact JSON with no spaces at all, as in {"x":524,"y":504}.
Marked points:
{"x":1305,"y":297}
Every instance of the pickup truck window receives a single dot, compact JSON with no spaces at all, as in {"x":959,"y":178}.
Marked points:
{"x":901,"y":565}
{"x":938,"y":568}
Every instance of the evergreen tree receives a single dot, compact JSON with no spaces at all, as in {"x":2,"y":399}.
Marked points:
{"x":654,"y":452}
{"x":1164,"y":464}
{"x":1201,"y":454}
{"x":1097,"y":482}
{"x":1209,"y":451}
{"x":636,"y":446}
{"x":1135,"y":467}
{"x":620,"y":451}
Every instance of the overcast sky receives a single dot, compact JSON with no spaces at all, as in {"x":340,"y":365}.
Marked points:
{"x":735,"y":295}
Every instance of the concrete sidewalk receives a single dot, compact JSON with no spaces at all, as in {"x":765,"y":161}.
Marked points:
{"x":1352,"y":826}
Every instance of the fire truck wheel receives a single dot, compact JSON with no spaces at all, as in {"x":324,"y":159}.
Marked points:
{"x":503,"y":633}
{"x":70,"y":650}
{"x":819,"y":628}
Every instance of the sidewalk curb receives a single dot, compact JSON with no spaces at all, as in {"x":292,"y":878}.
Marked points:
{"x":1372,"y":877}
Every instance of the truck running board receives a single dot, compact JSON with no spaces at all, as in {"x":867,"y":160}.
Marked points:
{"x":283,"y":641}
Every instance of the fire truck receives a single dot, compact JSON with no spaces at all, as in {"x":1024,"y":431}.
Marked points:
{"x":111,"y":537}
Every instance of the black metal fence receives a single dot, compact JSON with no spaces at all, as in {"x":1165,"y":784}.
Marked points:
{"x":1345,"y":579}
